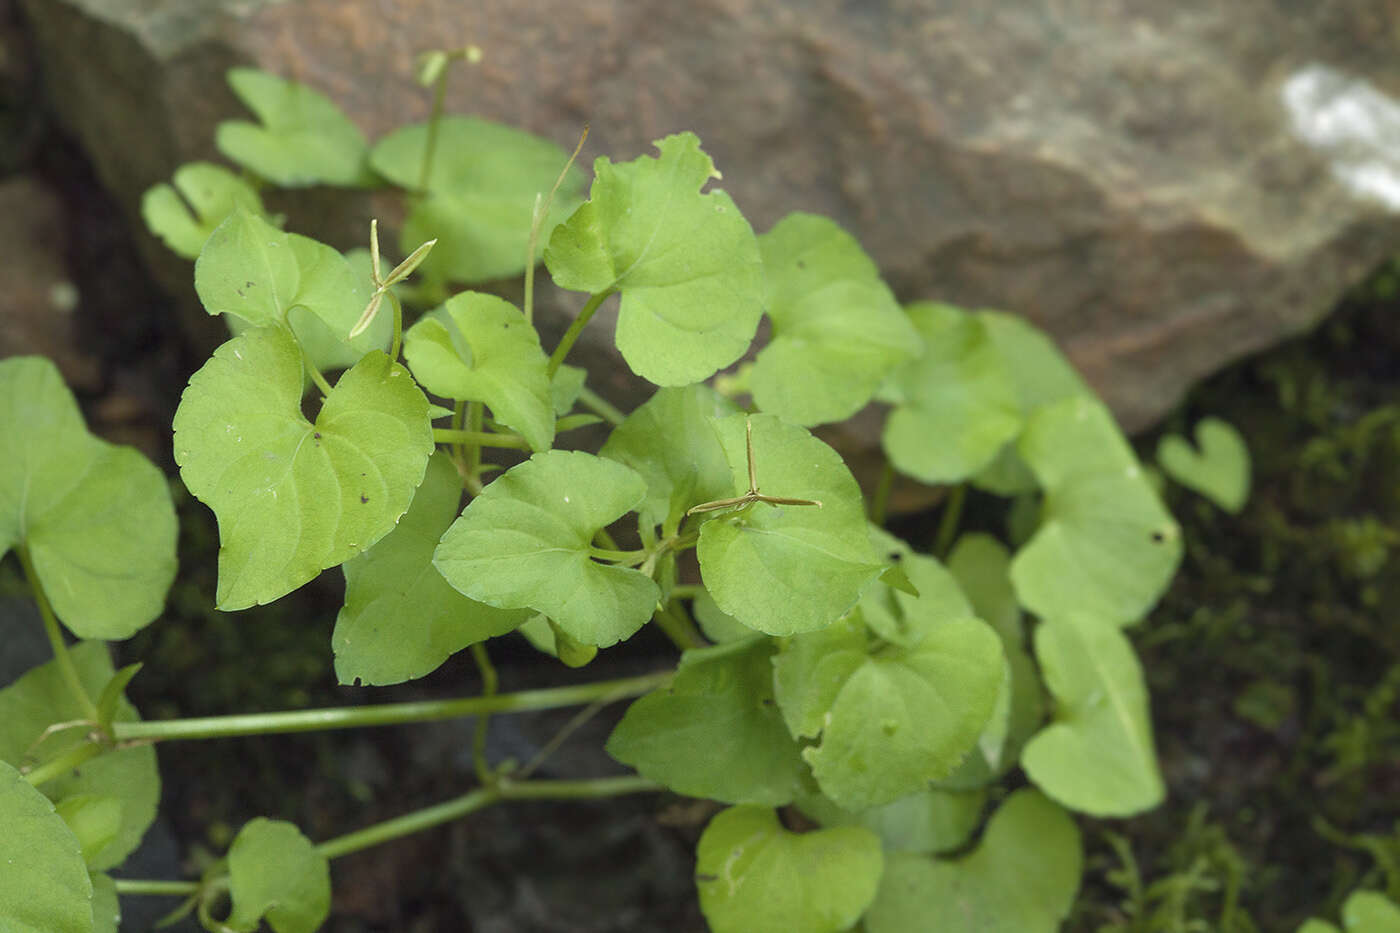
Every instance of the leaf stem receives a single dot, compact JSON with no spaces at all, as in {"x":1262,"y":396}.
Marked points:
{"x":948,"y":524}
{"x":489,"y":683}
{"x":388,"y":714}
{"x":434,"y":118}
{"x":480,"y":439}
{"x":63,"y":763}
{"x":397,"y":345}
{"x":678,"y":628}
{"x":622,"y":557}
{"x":600,"y":406}
{"x":472,"y":452}
{"x":322,"y":385}
{"x":537,"y":219}
{"x":67,"y":669}
{"x":880,"y":502}
{"x":159,"y":888}
{"x":566,"y":343}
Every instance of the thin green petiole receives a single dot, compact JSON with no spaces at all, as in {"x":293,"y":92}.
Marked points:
{"x":566,"y":343}
{"x":322,"y":385}
{"x":678,"y":628}
{"x":880,"y":502}
{"x":600,"y":406}
{"x":63,"y":764}
{"x":489,"y":683}
{"x":537,"y":218}
{"x":948,"y":523}
{"x":158,"y":888}
{"x":67,"y":669}
{"x":622,"y":557}
{"x":480,"y":439}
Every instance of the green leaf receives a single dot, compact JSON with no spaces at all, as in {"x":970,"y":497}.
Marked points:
{"x":837,"y":329}
{"x":715,"y":731}
{"x":303,"y":139}
{"x":687,"y":264}
{"x":185,"y":213}
{"x":1022,"y":877}
{"x":1017,"y":715}
{"x":1097,"y":756}
{"x":982,"y":566}
{"x":1039,"y":371}
{"x":1105,"y":545}
{"x":112,"y":693}
{"x":753,"y":874}
{"x":669,"y":441}
{"x":524,"y":542}
{"x":566,"y":387}
{"x":260,"y":276}
{"x":892,"y":721}
{"x":106,"y":909}
{"x":959,"y":403}
{"x":541,"y":632}
{"x":44,"y":887}
{"x":275,"y":872}
{"x":480,"y":194}
{"x":1220,"y":471}
{"x":783,"y":569}
{"x":904,"y":619}
{"x":1370,"y":912}
{"x":96,"y":519}
{"x":41,"y":698}
{"x":94,"y":818}
{"x":717,"y":625}
{"x":480,"y":348}
{"x":926,"y":822}
{"x":292,"y":497}
{"x":401,"y":619}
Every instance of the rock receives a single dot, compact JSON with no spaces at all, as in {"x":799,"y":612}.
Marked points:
{"x":1138,"y":178}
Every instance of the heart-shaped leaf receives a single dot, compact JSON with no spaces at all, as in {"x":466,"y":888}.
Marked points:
{"x":479,"y":196}
{"x":1219,"y":471}
{"x":275,"y":873}
{"x":184,"y":213}
{"x":1022,"y":877}
{"x":687,"y":264}
{"x":401,"y":619}
{"x":480,"y":348}
{"x":714,"y":732}
{"x":837,"y":329}
{"x":927,"y":822}
{"x":302,"y":138}
{"x":44,"y":887}
{"x":753,"y":874}
{"x":782,"y":569}
{"x":96,"y":519}
{"x":43,"y":697}
{"x":891,"y":721}
{"x":1097,"y":756}
{"x":1105,"y":545}
{"x":294,"y":497}
{"x":958,"y":402}
{"x":669,"y":441}
{"x":526,"y":540}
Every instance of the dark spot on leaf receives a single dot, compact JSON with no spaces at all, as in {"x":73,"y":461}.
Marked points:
{"x":240,"y":293}
{"x":896,"y":556}
{"x":364,"y":499}
{"x":703,"y":876}
{"x":766,"y":701}
{"x":1158,"y":537}
{"x":248,"y":284}
{"x":316,"y":435}
{"x":801,"y":263}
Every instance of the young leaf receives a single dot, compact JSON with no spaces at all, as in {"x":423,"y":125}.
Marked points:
{"x":566,"y":387}
{"x":1220,"y":471}
{"x":44,"y":887}
{"x":903,"y":618}
{"x":331,"y":294}
{"x":276,"y":873}
{"x":782,"y":569}
{"x":889,"y":722}
{"x":715,"y":731}
{"x":1105,"y":545}
{"x":94,"y":818}
{"x":112,"y":694}
{"x":1023,"y":877}
{"x":401,"y":620}
{"x":480,"y":348}
{"x":1038,"y":370}
{"x":717,"y":625}
{"x":303,"y":139}
{"x":837,"y":329}
{"x":927,"y":822}
{"x":1097,"y":756}
{"x":185,"y":213}
{"x":43,"y":697}
{"x":959,"y":403}
{"x":753,"y":874}
{"x":669,"y":441}
{"x":479,"y":196}
{"x":96,"y":519}
{"x":541,"y":632}
{"x":525,"y":542}
{"x":687,"y":263}
{"x":982,"y":566}
{"x":292,"y":497}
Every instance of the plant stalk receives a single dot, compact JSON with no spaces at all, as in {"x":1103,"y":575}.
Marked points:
{"x":600,"y":406}
{"x":479,"y":439}
{"x":489,"y":684}
{"x":67,"y":669}
{"x":566,"y":343}
{"x":63,"y":763}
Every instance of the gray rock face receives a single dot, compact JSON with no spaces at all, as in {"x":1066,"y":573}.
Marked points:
{"x":1146,"y":180}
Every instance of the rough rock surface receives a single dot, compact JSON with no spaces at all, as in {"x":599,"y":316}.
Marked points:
{"x":1140,"y":178}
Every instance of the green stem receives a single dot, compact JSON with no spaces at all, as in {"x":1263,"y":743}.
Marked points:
{"x":148,"y":886}
{"x":479,"y":439}
{"x":880,"y":502}
{"x":483,"y":797}
{"x":473,"y":451}
{"x":489,"y":683}
{"x":434,"y":118}
{"x":686,"y":590}
{"x":600,"y":406}
{"x":625,"y":557}
{"x":389,"y":714}
{"x":67,"y":669}
{"x":566,"y":343}
{"x":322,"y":385}
{"x":678,"y":628}
{"x":948,"y":525}
{"x":64,"y":763}
{"x":398,"y":326}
